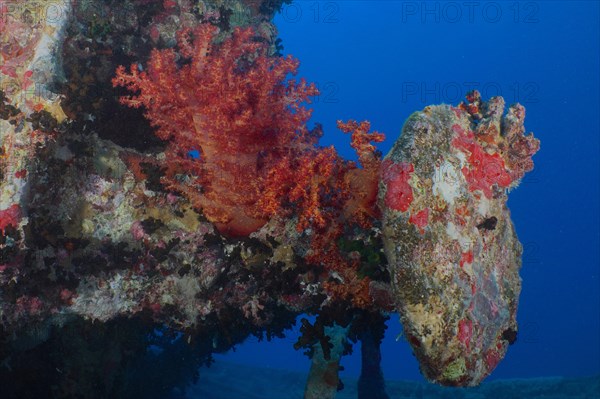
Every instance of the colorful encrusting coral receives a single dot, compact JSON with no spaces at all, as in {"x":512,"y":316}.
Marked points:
{"x":26,"y":109}
{"x":450,"y":243}
{"x":164,"y":177}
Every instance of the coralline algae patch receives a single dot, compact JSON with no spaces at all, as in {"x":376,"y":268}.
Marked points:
{"x":452,"y":249}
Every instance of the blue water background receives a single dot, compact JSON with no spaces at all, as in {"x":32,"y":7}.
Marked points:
{"x":382,"y":60}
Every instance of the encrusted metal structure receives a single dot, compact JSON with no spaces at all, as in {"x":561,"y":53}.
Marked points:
{"x":124,"y":221}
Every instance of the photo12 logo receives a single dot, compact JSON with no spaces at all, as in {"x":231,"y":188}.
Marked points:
{"x":34,"y":11}
{"x":328,"y":93}
{"x":318,"y":12}
{"x":19,"y":94}
{"x":454,"y":92}
{"x":470,"y":12}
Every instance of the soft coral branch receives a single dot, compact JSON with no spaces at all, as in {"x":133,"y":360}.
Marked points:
{"x":312,"y":184}
{"x":362,"y":182}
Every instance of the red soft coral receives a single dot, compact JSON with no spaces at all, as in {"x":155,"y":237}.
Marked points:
{"x":311,"y":183}
{"x":362,"y":182}
{"x":232,"y":103}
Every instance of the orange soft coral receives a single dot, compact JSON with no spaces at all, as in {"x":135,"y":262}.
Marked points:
{"x":362,"y":183}
{"x":234,"y":105}
{"x":311,"y":184}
